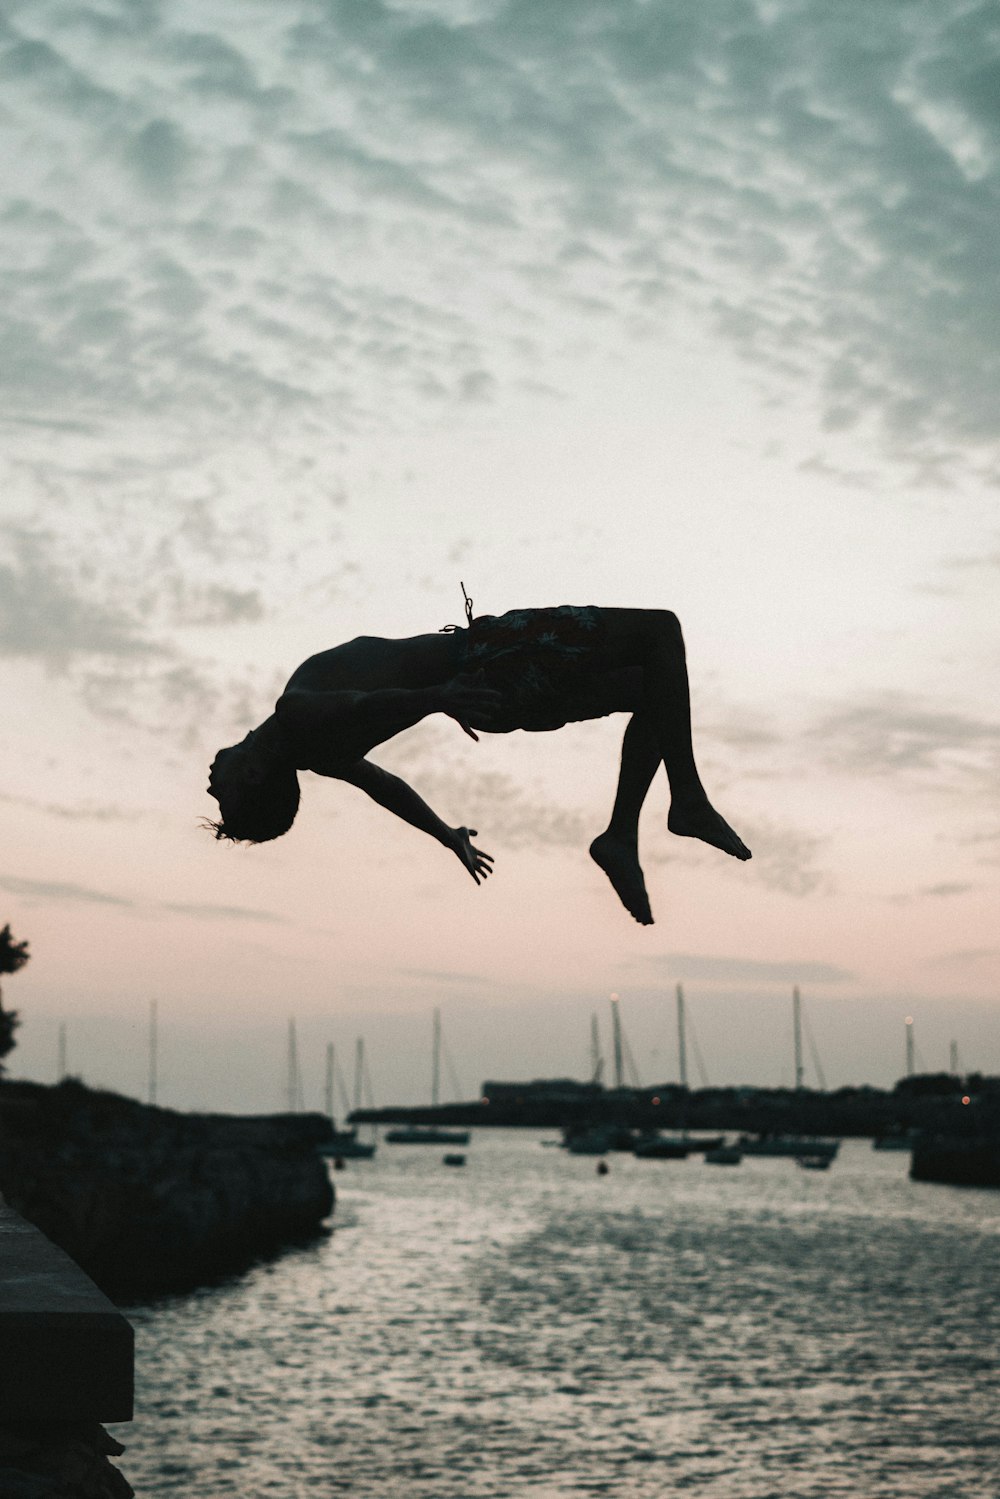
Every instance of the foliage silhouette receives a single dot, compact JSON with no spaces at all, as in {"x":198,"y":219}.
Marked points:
{"x":13,"y":956}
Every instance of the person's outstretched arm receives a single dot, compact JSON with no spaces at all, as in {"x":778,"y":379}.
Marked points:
{"x":397,"y":797}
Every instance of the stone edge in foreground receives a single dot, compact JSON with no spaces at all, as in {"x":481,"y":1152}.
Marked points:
{"x":68,"y":1353}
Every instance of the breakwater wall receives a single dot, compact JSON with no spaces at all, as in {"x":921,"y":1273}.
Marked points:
{"x":148,"y":1200}
{"x":66,"y":1367}
{"x":845,"y":1112}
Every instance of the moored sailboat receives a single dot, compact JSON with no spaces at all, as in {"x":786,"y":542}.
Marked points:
{"x":343,"y":1144}
{"x":429,"y":1134}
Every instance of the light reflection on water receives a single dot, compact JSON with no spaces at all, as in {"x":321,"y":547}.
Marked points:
{"x":524,"y":1327}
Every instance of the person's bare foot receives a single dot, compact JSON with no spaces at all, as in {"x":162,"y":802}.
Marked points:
{"x":700,"y":820}
{"x":621,"y":864}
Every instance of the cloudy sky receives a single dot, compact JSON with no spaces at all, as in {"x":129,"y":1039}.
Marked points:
{"x":310,"y":311}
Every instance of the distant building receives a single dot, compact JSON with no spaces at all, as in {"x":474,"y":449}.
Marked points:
{"x":559,"y":1090}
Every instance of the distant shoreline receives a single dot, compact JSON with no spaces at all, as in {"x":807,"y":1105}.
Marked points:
{"x":927,"y":1101}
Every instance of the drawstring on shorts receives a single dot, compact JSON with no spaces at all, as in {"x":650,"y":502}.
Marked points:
{"x":451,"y":629}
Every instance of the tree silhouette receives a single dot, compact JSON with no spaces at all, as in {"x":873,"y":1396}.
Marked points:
{"x":13,"y":955}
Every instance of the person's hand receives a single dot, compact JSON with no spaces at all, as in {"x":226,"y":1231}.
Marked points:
{"x":466,"y":697}
{"x":476,"y":862}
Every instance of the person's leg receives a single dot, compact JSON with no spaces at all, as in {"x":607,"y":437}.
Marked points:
{"x":651,"y":639}
{"x":616,"y":850}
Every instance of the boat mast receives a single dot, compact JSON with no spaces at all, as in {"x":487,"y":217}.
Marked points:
{"x":797,"y":1031}
{"x":681,"y":1038}
{"x":152,"y":1050}
{"x":359,"y":1071}
{"x":814,"y":1051}
{"x":61,"y":1062}
{"x":329,"y":1078}
{"x":293,"y":1069}
{"x":682,"y":1058}
{"x":616,"y":1031}
{"x":436,"y":1061}
{"x":909,"y":1046}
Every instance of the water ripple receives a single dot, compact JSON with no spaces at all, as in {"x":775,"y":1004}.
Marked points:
{"x":525,"y":1328}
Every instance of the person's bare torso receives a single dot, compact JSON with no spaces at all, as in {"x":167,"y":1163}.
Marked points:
{"x":370,"y":663}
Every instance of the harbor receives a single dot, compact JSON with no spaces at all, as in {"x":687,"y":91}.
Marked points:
{"x":949,"y":1123}
{"x":499,"y":750}
{"x":527,"y":1327}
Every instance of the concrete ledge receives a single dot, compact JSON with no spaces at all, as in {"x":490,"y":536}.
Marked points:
{"x":67,"y":1352}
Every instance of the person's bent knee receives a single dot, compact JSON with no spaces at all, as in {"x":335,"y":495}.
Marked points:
{"x":666,"y":627}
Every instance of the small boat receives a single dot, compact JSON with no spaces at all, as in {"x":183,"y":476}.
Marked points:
{"x":901,"y":1139}
{"x":724,"y":1155}
{"x":426,"y":1134}
{"x":662,"y":1148}
{"x":814,"y":1162}
{"x":699,"y":1144}
{"x":453,"y":1159}
{"x":793,"y":1145}
{"x":623,"y":1139}
{"x":344,"y":1145}
{"x":596,"y":1140}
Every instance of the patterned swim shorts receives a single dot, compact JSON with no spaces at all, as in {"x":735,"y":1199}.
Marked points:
{"x":538,"y":660}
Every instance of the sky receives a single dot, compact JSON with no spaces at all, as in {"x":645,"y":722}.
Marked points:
{"x":312,"y":313}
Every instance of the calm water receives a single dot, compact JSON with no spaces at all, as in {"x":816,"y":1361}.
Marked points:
{"x":524,"y":1327}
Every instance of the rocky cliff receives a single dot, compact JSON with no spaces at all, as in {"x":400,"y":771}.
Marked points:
{"x":148,"y":1200}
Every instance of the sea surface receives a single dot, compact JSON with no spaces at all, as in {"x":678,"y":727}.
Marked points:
{"x":524,"y":1328}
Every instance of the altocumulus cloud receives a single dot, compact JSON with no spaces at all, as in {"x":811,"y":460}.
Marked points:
{"x":62,"y":892}
{"x":306,"y":220}
{"x":45,"y":613}
{"x":897,"y":732}
{"x":80,"y":812}
{"x":263,"y":210}
{"x":59,"y":891}
{"x":963,"y":957}
{"x":208,"y":912}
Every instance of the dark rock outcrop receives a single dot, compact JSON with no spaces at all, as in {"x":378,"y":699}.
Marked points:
{"x":148,"y":1200}
{"x":55,"y":1459}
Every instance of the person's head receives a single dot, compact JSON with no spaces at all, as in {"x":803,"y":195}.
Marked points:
{"x":258,"y":796}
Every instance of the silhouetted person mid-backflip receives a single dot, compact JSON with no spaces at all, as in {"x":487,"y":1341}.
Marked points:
{"x":534,"y":669}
